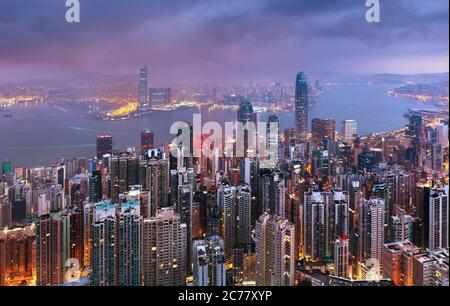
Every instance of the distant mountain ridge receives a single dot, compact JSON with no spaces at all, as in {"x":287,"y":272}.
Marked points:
{"x":94,"y":78}
{"x":381,"y":78}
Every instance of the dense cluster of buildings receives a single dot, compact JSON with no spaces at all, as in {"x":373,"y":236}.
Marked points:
{"x":334,"y":208}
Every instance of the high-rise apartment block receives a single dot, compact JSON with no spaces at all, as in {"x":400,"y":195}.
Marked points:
{"x":275,"y":251}
{"x":164,"y":250}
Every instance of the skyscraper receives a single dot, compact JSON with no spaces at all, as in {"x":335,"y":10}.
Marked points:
{"x":323,"y":129}
{"x":103,"y":245}
{"x":157,"y":182}
{"x":371,"y":230}
{"x":341,"y":257}
{"x":442,"y":133}
{"x":301,"y":106}
{"x":117,"y":244}
{"x":52,"y":249}
{"x":325,"y":218}
{"x":164,"y":250}
{"x":422,"y":204}
{"x":76,"y":238}
{"x":438,"y":222}
{"x":246,"y":137}
{"x":382,"y":191}
{"x":244,"y":214}
{"x":200,"y":262}
{"x":88,"y":220}
{"x":17,"y":255}
{"x":244,"y":264}
{"x":143,"y":86}
{"x":104,"y":145}
{"x":226,"y":201}
{"x":160,"y":95}
{"x":185,"y":210}
{"x":275,"y":251}
{"x":95,"y":187}
{"x":123,"y":173}
{"x":209,"y":266}
{"x":416,"y":132}
{"x":348,"y":130}
{"x":401,"y":227}
{"x":129,"y":247}
{"x":433,"y":158}
{"x":270,"y":155}
{"x":146,"y":141}
{"x":6,"y":167}
{"x":272,"y":194}
{"x":320,"y":164}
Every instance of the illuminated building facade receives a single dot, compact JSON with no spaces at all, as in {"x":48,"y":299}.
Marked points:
{"x":104,"y":145}
{"x":164,"y":250}
{"x":302,"y":96}
{"x":275,"y":251}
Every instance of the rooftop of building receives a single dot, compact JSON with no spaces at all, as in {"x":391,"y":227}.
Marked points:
{"x":403,"y":246}
{"x":440,"y":256}
{"x":126,"y":202}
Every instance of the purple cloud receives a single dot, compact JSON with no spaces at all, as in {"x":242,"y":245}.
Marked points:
{"x":219,"y":40}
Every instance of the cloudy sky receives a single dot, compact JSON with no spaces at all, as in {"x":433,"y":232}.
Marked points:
{"x":221,"y":40}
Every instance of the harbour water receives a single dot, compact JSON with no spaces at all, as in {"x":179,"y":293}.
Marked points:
{"x":40,"y":134}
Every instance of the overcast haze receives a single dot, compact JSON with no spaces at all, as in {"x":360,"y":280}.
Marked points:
{"x":221,"y":40}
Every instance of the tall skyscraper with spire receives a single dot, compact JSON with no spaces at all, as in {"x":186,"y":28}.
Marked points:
{"x":301,"y":106}
{"x":143,"y":85}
